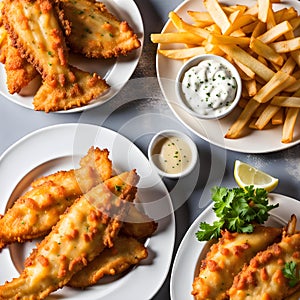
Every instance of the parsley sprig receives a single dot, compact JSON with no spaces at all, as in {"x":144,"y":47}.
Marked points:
{"x":237,"y":210}
{"x":290,"y":272}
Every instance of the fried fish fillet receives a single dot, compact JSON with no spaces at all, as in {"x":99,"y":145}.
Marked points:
{"x":96,"y":32}
{"x":19,"y":73}
{"x":125,"y":252}
{"x":82,"y":233}
{"x":264,"y":277}
{"x":35,"y":212}
{"x":34,"y":29}
{"x":226,"y":259}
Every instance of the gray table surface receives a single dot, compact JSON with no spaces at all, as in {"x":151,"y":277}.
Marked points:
{"x":140,"y":118}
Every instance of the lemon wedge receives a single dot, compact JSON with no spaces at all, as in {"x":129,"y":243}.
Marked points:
{"x":245,"y":175}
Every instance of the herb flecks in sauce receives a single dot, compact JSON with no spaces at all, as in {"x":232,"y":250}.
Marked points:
{"x":172,"y":155}
{"x":209,"y":87}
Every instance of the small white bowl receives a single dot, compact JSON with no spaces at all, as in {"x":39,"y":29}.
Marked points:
{"x":194,"y":62}
{"x":159,"y":145}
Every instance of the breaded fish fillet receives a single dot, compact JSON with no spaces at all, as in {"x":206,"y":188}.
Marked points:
{"x":34,"y":213}
{"x":96,"y":32}
{"x":264,"y":277}
{"x":34,"y":29}
{"x":125,"y":252}
{"x":226,"y":259}
{"x":19,"y":73}
{"x":82,"y":233}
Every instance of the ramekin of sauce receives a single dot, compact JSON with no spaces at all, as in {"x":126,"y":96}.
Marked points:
{"x":208,"y":86}
{"x":172,"y":153}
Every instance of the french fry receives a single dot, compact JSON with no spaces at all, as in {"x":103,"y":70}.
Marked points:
{"x":271,"y":22}
{"x":266,"y":51}
{"x":238,"y":33}
{"x":233,"y":16}
{"x":263,"y":9}
{"x":278,"y":118}
{"x":176,"y":37}
{"x":201,"y":17}
{"x":252,"y":124}
{"x":182,"y":53}
{"x":236,"y":129}
{"x":266,"y":116}
{"x":217,"y":14}
{"x":289,"y":124}
{"x":289,"y":66}
{"x":276,"y":84}
{"x":259,"y":29}
{"x":286,"y":101}
{"x":233,"y":8}
{"x":293,"y":87}
{"x":251,"y":87}
{"x":285,"y":14}
{"x":227,"y":40}
{"x":182,"y":25}
{"x":286,"y":45}
{"x":275,"y":32}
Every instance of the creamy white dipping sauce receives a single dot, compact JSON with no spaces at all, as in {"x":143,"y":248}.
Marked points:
{"x":209,"y":88}
{"x":172,"y":155}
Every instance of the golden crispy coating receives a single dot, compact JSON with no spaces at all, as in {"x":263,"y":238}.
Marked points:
{"x":226,"y":258}
{"x":78,"y":93}
{"x":125,"y":252}
{"x":82,"y":233}
{"x":264,"y":277}
{"x":138,"y":224}
{"x":34,"y":29}
{"x":95,"y":32}
{"x":34,"y":213}
{"x":19,"y":73}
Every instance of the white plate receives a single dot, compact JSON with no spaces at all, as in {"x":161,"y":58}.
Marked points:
{"x":213,"y":131}
{"x":189,"y":251}
{"x":60,"y":147}
{"x":116,"y":71}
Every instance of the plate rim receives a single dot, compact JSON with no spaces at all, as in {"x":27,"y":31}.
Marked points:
{"x":169,"y":233}
{"x":138,"y":26}
{"x":183,"y":116}
{"x":283,"y":210}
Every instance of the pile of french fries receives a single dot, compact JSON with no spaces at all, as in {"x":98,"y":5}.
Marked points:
{"x":264,"y":46}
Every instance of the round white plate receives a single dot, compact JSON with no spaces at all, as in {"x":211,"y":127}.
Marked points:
{"x":60,"y":147}
{"x":116,"y":71}
{"x":190,"y":250}
{"x":213,"y":131}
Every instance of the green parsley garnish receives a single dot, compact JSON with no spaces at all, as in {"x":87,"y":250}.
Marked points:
{"x":237,"y":210}
{"x":290,"y":272}
{"x":118,"y":188}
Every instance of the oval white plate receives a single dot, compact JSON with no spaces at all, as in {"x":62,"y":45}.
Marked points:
{"x":188,"y":254}
{"x":60,"y":147}
{"x":258,"y":141}
{"x":116,"y":71}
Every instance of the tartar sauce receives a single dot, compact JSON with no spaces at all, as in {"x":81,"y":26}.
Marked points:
{"x":172,"y":155}
{"x":209,"y":87}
